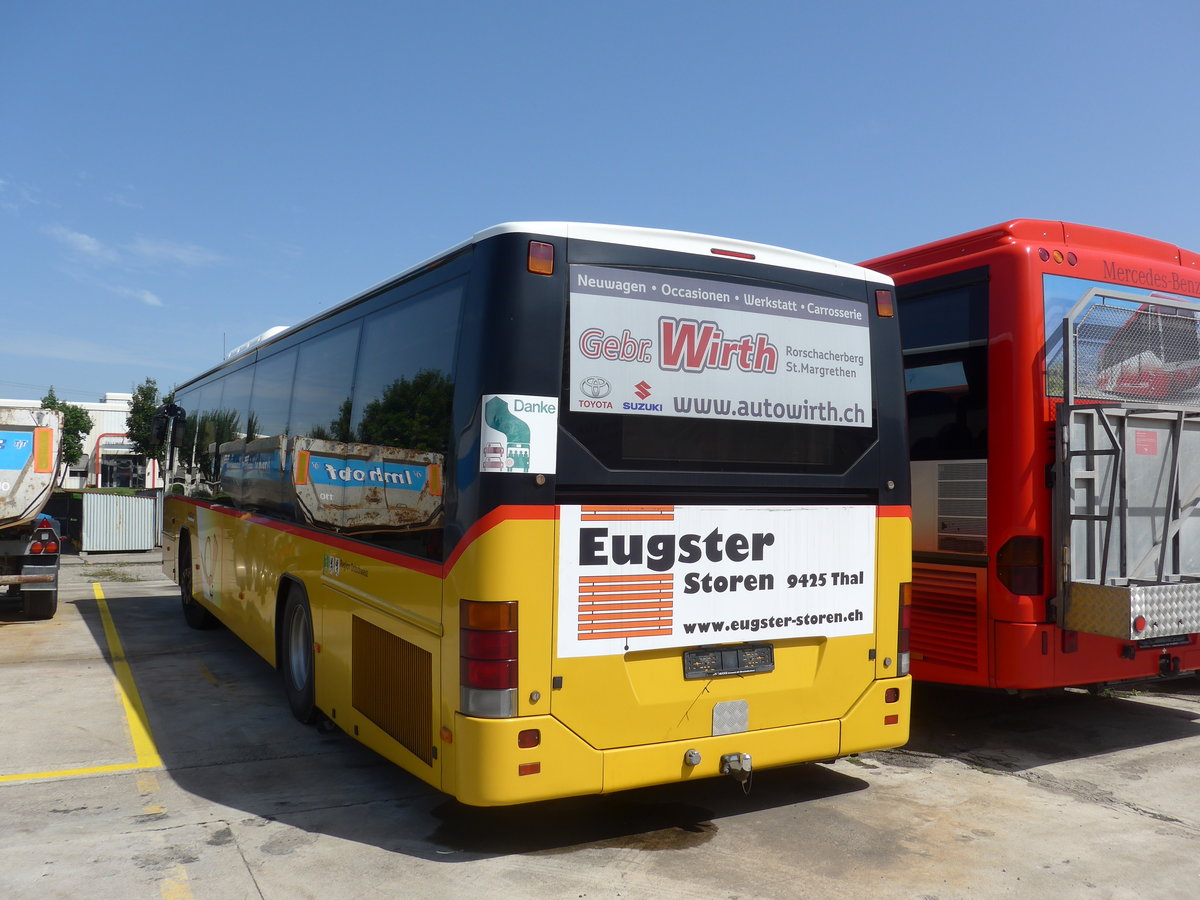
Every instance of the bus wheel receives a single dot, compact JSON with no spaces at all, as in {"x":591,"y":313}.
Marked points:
{"x":196,"y":615}
{"x":40,"y":604}
{"x":296,"y":652}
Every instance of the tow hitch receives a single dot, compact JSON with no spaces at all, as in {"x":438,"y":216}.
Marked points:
{"x":740,"y":767}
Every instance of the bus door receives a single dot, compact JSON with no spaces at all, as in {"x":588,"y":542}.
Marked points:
{"x":1127,"y":483}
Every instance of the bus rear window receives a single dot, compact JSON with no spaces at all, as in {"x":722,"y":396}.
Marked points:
{"x":664,"y":368}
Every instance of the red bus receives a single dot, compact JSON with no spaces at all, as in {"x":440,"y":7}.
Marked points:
{"x":1054,"y":423}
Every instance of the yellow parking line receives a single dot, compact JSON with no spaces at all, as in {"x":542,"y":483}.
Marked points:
{"x":135,"y":714}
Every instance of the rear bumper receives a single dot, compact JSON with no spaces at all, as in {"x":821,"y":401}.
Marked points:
{"x":488,"y":763}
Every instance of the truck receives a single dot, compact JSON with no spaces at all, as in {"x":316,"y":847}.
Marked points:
{"x":30,"y":447}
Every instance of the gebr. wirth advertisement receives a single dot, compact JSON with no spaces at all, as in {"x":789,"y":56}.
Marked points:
{"x":666,"y":345}
{"x":646,"y":577}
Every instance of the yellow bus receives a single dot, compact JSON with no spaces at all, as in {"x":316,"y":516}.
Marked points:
{"x":568,"y":509}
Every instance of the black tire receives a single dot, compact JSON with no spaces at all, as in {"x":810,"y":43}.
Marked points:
{"x":40,"y":604}
{"x":296,"y":656}
{"x":196,"y":615}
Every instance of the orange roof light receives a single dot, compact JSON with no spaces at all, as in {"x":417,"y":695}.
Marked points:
{"x":885,"y":304}
{"x":541,"y":258}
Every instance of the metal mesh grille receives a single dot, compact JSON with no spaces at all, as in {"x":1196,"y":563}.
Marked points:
{"x":392,"y":685}
{"x":1144,"y":353}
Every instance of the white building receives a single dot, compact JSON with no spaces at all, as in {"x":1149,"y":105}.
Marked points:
{"x":108,"y":458}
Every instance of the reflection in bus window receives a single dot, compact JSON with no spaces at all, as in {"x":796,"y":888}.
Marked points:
{"x":403,"y":392}
{"x":324,"y":377}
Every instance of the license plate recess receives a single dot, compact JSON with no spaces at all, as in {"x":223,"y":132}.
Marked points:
{"x":713,"y":662}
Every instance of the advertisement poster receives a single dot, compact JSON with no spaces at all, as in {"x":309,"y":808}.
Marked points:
{"x":518,"y":434}
{"x":667,"y":345}
{"x":645,"y":577}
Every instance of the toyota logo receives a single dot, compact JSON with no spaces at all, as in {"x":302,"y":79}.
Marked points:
{"x":595,"y":387}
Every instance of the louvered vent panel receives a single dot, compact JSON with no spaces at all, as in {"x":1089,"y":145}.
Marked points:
{"x":393,"y":686}
{"x":945,"y":615}
{"x":962,"y":507}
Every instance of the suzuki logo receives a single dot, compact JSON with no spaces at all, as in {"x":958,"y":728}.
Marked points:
{"x":642,"y":390}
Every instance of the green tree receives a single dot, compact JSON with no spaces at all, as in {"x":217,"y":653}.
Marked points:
{"x":77,"y":424}
{"x":139,"y":424}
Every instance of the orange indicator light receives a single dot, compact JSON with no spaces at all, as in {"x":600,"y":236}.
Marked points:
{"x":541,"y":258}
{"x":529,"y":769}
{"x":884,"y":304}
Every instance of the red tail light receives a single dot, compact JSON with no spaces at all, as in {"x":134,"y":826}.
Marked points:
{"x":903,"y":652}
{"x":489,"y":675}
{"x":1019,"y":564}
{"x":736,"y":254}
{"x":488,"y":658}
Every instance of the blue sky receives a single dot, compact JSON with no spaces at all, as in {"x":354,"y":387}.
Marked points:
{"x":177,"y":177}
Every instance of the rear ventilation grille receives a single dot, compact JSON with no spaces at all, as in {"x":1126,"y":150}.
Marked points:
{"x":962,"y":507}
{"x":945,"y":615}
{"x":393,"y":687}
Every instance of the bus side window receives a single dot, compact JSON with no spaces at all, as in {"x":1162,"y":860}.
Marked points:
{"x":404,"y":390}
{"x":324,"y":378}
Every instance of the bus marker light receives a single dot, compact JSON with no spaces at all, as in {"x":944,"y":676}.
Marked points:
{"x":885,"y":306}
{"x":736,"y":254}
{"x":447,"y":735}
{"x":530,"y":737}
{"x":1058,"y":256}
{"x":541,"y":258}
{"x":529,"y":768}
{"x":1139,"y":624}
{"x":890,"y":720}
{"x":891,"y":695}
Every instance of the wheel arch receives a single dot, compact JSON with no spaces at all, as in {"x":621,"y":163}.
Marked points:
{"x":286,"y":584}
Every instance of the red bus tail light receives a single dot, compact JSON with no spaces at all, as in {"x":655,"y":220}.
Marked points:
{"x":735,"y":254}
{"x":489,"y":674}
{"x":903,"y":652}
{"x":488,"y":658}
{"x":1019,"y":564}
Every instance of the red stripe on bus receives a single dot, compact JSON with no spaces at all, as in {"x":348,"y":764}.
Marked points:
{"x":425,"y":567}
{"x":495,"y":517}
{"x":893,"y":512}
